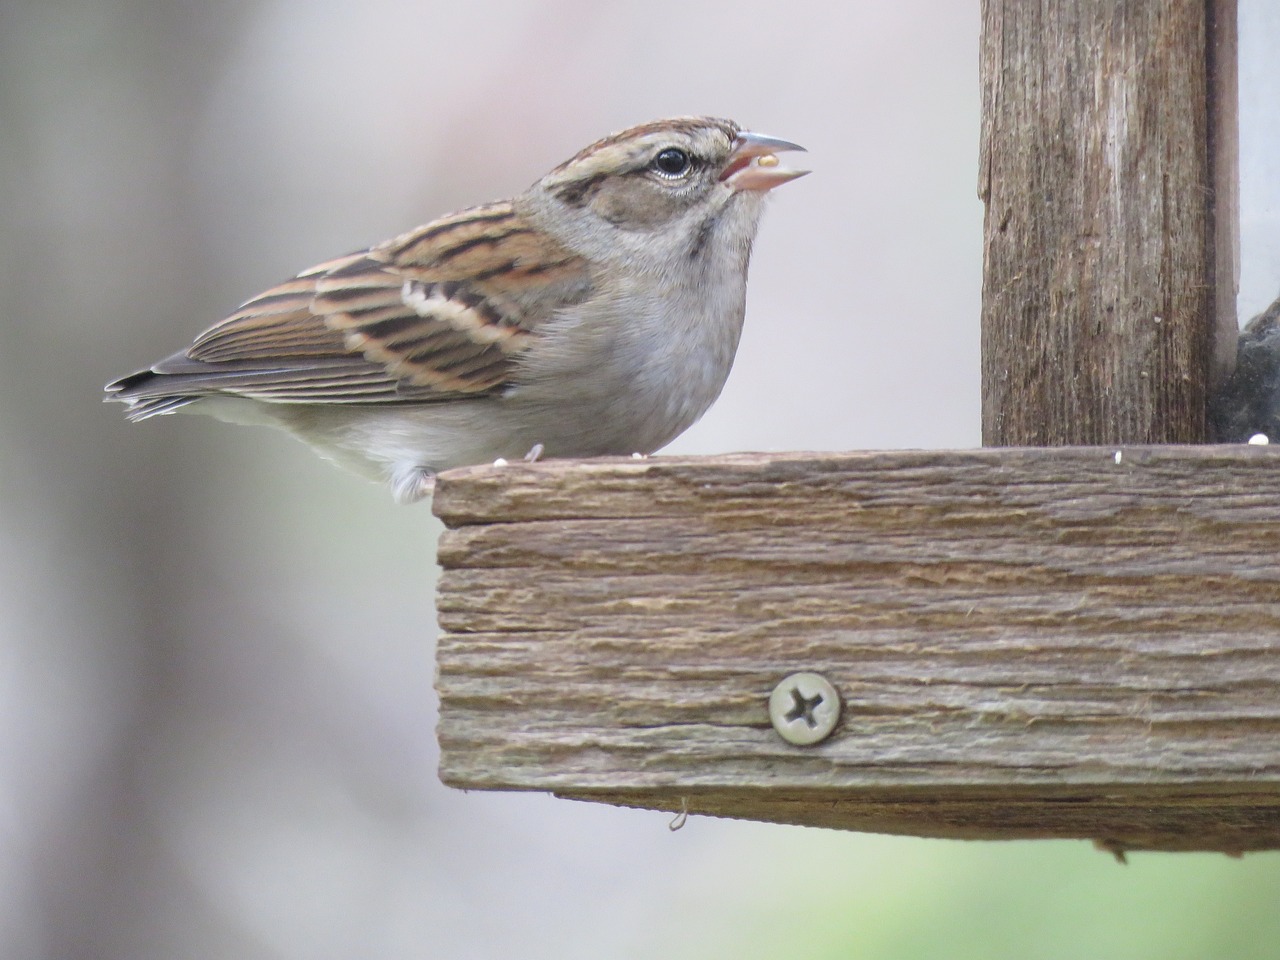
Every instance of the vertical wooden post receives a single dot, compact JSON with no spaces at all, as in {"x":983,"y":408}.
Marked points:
{"x":1108,"y":140}
{"x":1224,"y":158}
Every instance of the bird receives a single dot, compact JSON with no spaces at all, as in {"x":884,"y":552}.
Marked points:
{"x":597,"y":313}
{"x":1248,"y":403}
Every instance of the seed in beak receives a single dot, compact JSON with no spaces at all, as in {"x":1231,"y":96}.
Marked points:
{"x":768,"y":160}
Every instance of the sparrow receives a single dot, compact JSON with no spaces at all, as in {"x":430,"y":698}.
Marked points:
{"x":597,"y":313}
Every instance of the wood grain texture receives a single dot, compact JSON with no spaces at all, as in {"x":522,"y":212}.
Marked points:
{"x":1104,"y":248}
{"x":1028,"y":642}
{"x":1224,"y":160}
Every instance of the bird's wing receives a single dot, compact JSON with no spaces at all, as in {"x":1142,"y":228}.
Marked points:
{"x":439,"y":313}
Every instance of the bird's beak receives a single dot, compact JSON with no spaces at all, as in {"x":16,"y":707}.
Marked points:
{"x":753,"y":165}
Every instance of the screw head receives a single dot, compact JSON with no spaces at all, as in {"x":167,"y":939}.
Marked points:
{"x":804,"y":708}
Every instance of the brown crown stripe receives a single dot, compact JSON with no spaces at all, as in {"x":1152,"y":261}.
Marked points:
{"x":680,"y":124}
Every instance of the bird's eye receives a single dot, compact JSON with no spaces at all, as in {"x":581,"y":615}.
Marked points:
{"x":672,"y":162}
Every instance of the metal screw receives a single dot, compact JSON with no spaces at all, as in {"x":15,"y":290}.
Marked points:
{"x":804,"y":708}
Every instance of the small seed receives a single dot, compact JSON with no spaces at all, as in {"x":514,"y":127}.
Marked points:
{"x":768,"y":160}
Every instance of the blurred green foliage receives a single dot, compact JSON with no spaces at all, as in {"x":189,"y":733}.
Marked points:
{"x":833,"y":896}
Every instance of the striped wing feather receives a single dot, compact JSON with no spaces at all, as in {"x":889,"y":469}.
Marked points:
{"x":439,"y":313}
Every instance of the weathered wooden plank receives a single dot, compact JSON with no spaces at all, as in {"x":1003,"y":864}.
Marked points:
{"x":1051,"y":642}
{"x":1137,"y":819}
{"x":1107,"y":168}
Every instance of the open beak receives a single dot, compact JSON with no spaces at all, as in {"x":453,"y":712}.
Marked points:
{"x":754,"y":166}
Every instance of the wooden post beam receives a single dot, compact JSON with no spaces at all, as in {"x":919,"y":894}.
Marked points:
{"x":1108,"y":168}
{"x":1069,"y":642}
{"x":1058,"y":642}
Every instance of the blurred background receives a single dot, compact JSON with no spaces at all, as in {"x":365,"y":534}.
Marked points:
{"x":216,"y":706}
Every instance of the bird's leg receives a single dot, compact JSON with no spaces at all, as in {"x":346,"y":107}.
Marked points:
{"x":409,"y":484}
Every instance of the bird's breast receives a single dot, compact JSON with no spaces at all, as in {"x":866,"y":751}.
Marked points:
{"x":628,"y":372}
